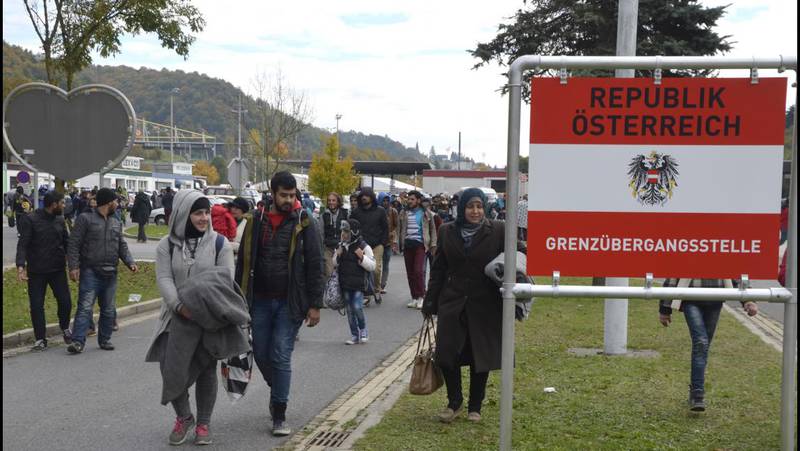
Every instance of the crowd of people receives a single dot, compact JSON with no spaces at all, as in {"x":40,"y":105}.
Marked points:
{"x":280,"y":255}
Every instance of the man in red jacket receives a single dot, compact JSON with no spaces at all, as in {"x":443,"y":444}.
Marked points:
{"x":223,"y":222}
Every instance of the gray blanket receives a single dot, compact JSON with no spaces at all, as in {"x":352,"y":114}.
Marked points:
{"x":218,"y":330}
{"x":495,"y":270}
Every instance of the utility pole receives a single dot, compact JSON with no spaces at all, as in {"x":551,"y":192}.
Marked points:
{"x":338,"y":116}
{"x":172,"y":125}
{"x":239,"y":111}
{"x":458,"y":165}
{"x":615,"y":324}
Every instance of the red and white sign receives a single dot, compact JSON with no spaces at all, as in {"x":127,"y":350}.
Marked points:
{"x":681,"y":179}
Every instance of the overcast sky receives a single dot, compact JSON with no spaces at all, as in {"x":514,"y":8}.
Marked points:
{"x":390,"y":68}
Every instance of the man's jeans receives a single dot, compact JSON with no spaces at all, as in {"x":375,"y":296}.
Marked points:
{"x":354,"y":303}
{"x":387,"y":257}
{"x":701,"y":317}
{"x":93,"y":285}
{"x":274,"y":332}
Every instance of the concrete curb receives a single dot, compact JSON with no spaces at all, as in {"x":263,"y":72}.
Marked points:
{"x":21,"y":337}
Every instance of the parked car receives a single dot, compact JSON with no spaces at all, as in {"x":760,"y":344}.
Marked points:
{"x":158,"y":217}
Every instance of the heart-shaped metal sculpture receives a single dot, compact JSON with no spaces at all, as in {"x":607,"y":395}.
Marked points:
{"x":68,"y":134}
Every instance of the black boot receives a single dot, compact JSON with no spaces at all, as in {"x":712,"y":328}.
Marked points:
{"x":697,"y":401}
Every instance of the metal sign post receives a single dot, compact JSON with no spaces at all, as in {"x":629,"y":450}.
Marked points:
{"x":789,"y":297}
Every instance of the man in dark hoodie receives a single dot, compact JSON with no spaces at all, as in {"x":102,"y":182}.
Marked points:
{"x":279,"y":267}
{"x":375,"y":230}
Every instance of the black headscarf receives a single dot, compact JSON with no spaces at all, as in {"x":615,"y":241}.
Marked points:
{"x":467,"y":229}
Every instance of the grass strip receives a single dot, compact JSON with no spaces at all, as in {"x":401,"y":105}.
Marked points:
{"x":150,"y":230}
{"x":607,"y":402}
{"x":16,"y":309}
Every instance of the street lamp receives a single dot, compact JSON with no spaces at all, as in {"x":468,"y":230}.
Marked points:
{"x":172,"y":125}
{"x":338,"y":116}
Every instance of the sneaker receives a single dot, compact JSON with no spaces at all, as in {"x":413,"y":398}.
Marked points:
{"x":378,"y":299}
{"x":383,"y":291}
{"x":106,"y":346}
{"x":92,"y":332}
{"x":353,"y":340}
{"x":412,"y":304}
{"x":697,"y":402}
{"x":448,"y":415}
{"x":181,"y":430}
{"x":67,"y":334}
{"x":280,"y":429}
{"x":75,"y":348}
{"x":115,"y":327}
{"x":474,"y":417}
{"x":366,"y":301}
{"x":364,"y":336}
{"x":39,"y":346}
{"x":419,"y":304}
{"x":202,"y":436}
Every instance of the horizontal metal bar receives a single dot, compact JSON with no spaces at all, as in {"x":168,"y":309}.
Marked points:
{"x":653,"y":62}
{"x":527,"y":291}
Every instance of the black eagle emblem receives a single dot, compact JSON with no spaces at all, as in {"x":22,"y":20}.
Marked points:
{"x":653,"y":178}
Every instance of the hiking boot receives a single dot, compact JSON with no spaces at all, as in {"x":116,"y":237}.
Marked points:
{"x":448,"y":415}
{"x":474,"y":417}
{"x":280,"y":429}
{"x":697,"y":401}
{"x":67,"y":334}
{"x":75,"y":348}
{"x":364,"y":336}
{"x":181,"y":430}
{"x":39,"y":346}
{"x":412,"y":304}
{"x":353,"y":340}
{"x":202,"y":436}
{"x":106,"y":346}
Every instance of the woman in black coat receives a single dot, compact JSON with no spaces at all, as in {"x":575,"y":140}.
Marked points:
{"x":468,"y":304}
{"x":140,"y":214}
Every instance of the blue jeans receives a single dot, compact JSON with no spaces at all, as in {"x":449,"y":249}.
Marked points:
{"x":354,"y":303}
{"x":274,"y":332}
{"x":702,"y":318}
{"x":93,"y":285}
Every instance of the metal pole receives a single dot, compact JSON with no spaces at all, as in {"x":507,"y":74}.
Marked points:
{"x":615,"y":322}
{"x":458,"y":165}
{"x":35,"y":190}
{"x":171,"y":131}
{"x":510,"y":248}
{"x":788,"y":394}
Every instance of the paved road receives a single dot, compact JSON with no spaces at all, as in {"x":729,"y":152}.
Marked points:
{"x":110,"y":400}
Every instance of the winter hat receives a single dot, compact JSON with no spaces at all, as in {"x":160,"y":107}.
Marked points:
{"x":466,"y":196}
{"x":105,"y":196}
{"x":200,"y":204}
{"x":240,"y":203}
{"x":352,"y":226}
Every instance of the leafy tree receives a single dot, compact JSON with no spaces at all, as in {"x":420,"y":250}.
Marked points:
{"x":328,"y":173}
{"x":204,"y":168}
{"x":221,"y":166}
{"x":589,"y":27}
{"x":69,"y":30}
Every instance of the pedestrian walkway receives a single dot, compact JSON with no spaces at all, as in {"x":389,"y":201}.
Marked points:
{"x":110,"y":400}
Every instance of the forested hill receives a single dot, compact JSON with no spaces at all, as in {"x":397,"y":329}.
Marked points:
{"x":204,"y":103}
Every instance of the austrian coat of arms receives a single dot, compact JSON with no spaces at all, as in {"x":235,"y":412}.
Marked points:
{"x":653,"y":178}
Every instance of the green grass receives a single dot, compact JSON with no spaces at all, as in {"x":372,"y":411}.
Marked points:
{"x":151,"y":230}
{"x":607,"y":402}
{"x":16,"y":311}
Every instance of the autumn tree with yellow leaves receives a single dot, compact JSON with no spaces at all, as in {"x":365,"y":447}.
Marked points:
{"x":329,"y":174}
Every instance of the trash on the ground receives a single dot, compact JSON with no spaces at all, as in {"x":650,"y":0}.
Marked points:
{"x":133,"y":297}
{"x":549,"y":389}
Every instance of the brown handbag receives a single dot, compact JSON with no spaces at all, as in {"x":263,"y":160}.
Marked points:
{"x":426,"y":377}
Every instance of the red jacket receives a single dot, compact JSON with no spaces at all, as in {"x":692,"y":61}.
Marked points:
{"x":222,"y":221}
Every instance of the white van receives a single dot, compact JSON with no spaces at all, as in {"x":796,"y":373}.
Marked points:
{"x":491,"y":194}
